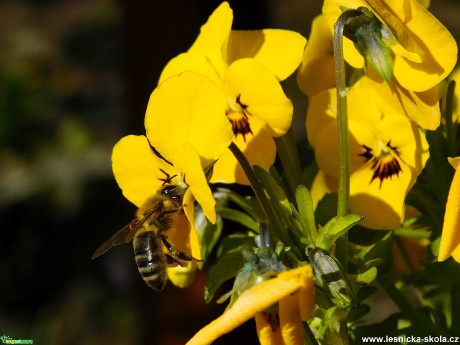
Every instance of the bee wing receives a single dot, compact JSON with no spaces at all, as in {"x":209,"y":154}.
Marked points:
{"x":124,"y":235}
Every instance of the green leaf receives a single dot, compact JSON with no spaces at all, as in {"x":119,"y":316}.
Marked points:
{"x":226,"y":268}
{"x":209,"y":234}
{"x":365,"y":277}
{"x":306,"y":212}
{"x":279,"y":203}
{"x":234,"y":243}
{"x":335,"y":228}
{"x":249,"y":204}
{"x":412,"y":233}
{"x":377,"y":254}
{"x":277,"y":196}
{"x":238,"y":217}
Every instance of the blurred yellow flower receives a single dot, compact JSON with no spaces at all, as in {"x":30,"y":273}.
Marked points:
{"x":247,"y":67}
{"x":450,"y":239}
{"x":387,"y":153}
{"x":292,"y":290}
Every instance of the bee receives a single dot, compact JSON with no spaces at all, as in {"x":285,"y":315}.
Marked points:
{"x":153,"y":219}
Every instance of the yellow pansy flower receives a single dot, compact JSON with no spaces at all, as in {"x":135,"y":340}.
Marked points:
{"x":246,"y":66}
{"x":293,"y":290}
{"x":450,"y":239}
{"x":423,"y":54}
{"x":175,"y":118}
{"x":425,"y":51}
{"x":387,"y":153}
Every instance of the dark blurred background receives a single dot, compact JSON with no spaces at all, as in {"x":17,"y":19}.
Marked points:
{"x":75,"y":76}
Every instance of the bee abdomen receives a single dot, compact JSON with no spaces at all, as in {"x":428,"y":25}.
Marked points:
{"x":150,"y":259}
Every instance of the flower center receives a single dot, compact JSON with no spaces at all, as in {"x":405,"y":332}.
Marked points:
{"x":237,"y":114}
{"x":386,"y":164}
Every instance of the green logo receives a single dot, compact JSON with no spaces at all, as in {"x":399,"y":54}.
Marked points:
{"x":8,"y":340}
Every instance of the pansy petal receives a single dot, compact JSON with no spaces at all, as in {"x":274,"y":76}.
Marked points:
{"x":189,"y":209}
{"x":381,"y":202}
{"x":421,"y":107}
{"x":290,"y":322}
{"x":450,"y":239}
{"x":190,"y":62}
{"x":180,"y":276}
{"x":258,"y":147}
{"x":252,"y":301}
{"x":266,"y":334}
{"x":421,"y":33}
{"x":280,"y":51}
{"x":137,"y":169}
{"x":183,"y":237}
{"x":186,"y":160}
{"x":306,"y":293}
{"x":188,"y":108}
{"x":260,"y":93}
{"x":213,"y":37}
{"x":332,"y":9}
{"x":317,"y":71}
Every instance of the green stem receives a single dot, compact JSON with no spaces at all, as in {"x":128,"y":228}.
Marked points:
{"x":424,"y":325}
{"x":256,"y":187}
{"x":342,"y":124}
{"x":288,"y":154}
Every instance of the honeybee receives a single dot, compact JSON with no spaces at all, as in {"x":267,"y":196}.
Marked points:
{"x":147,"y":230}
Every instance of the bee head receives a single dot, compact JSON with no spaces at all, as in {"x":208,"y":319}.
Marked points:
{"x":174,"y":192}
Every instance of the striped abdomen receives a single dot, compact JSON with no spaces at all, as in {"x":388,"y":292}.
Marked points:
{"x":150,"y":259}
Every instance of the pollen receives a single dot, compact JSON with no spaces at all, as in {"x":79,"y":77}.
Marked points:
{"x":238,"y":117}
{"x":384,"y":165}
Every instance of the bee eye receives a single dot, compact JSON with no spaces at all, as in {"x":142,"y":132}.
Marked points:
{"x":174,"y":192}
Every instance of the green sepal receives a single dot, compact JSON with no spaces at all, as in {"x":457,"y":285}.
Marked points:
{"x":372,"y":40}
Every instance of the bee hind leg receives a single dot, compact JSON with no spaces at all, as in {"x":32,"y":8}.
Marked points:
{"x":175,"y":254}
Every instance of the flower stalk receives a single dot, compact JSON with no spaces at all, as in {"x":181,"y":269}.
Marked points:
{"x":342,"y":125}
